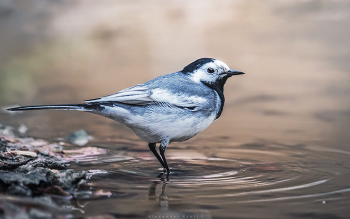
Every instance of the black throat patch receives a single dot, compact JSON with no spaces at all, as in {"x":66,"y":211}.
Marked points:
{"x":218,"y":86}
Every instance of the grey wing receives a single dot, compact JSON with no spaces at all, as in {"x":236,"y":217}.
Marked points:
{"x":136,"y":95}
{"x":141,"y":95}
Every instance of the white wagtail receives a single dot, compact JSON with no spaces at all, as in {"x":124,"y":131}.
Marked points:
{"x":170,"y":108}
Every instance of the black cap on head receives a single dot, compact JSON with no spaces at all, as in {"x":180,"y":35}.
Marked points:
{"x":196,"y":64}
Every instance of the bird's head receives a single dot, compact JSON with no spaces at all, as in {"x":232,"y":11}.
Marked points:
{"x":209,"y":71}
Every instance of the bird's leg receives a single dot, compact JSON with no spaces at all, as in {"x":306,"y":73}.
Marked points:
{"x":152,"y":147}
{"x":162,"y":148}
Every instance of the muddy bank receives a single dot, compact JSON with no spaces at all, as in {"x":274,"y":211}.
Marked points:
{"x":35,"y":179}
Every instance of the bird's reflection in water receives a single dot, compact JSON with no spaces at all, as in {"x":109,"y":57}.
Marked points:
{"x":162,"y":198}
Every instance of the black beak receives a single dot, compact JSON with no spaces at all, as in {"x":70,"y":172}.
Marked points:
{"x":232,"y":72}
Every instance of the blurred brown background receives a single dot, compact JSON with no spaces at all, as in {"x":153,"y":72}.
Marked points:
{"x":295,"y":54}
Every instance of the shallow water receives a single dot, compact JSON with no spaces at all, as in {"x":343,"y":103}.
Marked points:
{"x":247,"y":180}
{"x":280,"y":148}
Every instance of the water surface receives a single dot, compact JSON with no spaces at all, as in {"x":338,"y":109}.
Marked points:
{"x":281,"y":146}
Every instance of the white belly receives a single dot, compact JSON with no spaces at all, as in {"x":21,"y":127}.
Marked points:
{"x":153,"y":127}
{"x":176,"y":130}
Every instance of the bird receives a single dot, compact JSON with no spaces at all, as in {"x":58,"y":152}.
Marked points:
{"x":170,"y":108}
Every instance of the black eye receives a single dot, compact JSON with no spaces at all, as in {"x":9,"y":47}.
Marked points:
{"x":210,"y":70}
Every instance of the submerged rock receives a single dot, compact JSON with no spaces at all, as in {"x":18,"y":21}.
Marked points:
{"x":22,"y":129}
{"x":80,"y":137}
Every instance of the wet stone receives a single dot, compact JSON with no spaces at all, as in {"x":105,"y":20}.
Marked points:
{"x":2,"y":145}
{"x":9,"y":162}
{"x":29,"y":179}
{"x":27,"y":173}
{"x":24,"y":148}
{"x":66,"y":179}
{"x":19,"y":190}
{"x":45,"y":161}
{"x":25,"y":153}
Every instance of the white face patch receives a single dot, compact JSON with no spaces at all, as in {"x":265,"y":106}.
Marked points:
{"x":198,"y":75}
{"x":221,"y":66}
{"x":202,"y":74}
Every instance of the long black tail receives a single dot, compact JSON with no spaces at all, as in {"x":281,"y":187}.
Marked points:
{"x":81,"y":107}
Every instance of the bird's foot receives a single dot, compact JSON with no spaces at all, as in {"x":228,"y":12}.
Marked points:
{"x":166,"y":170}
